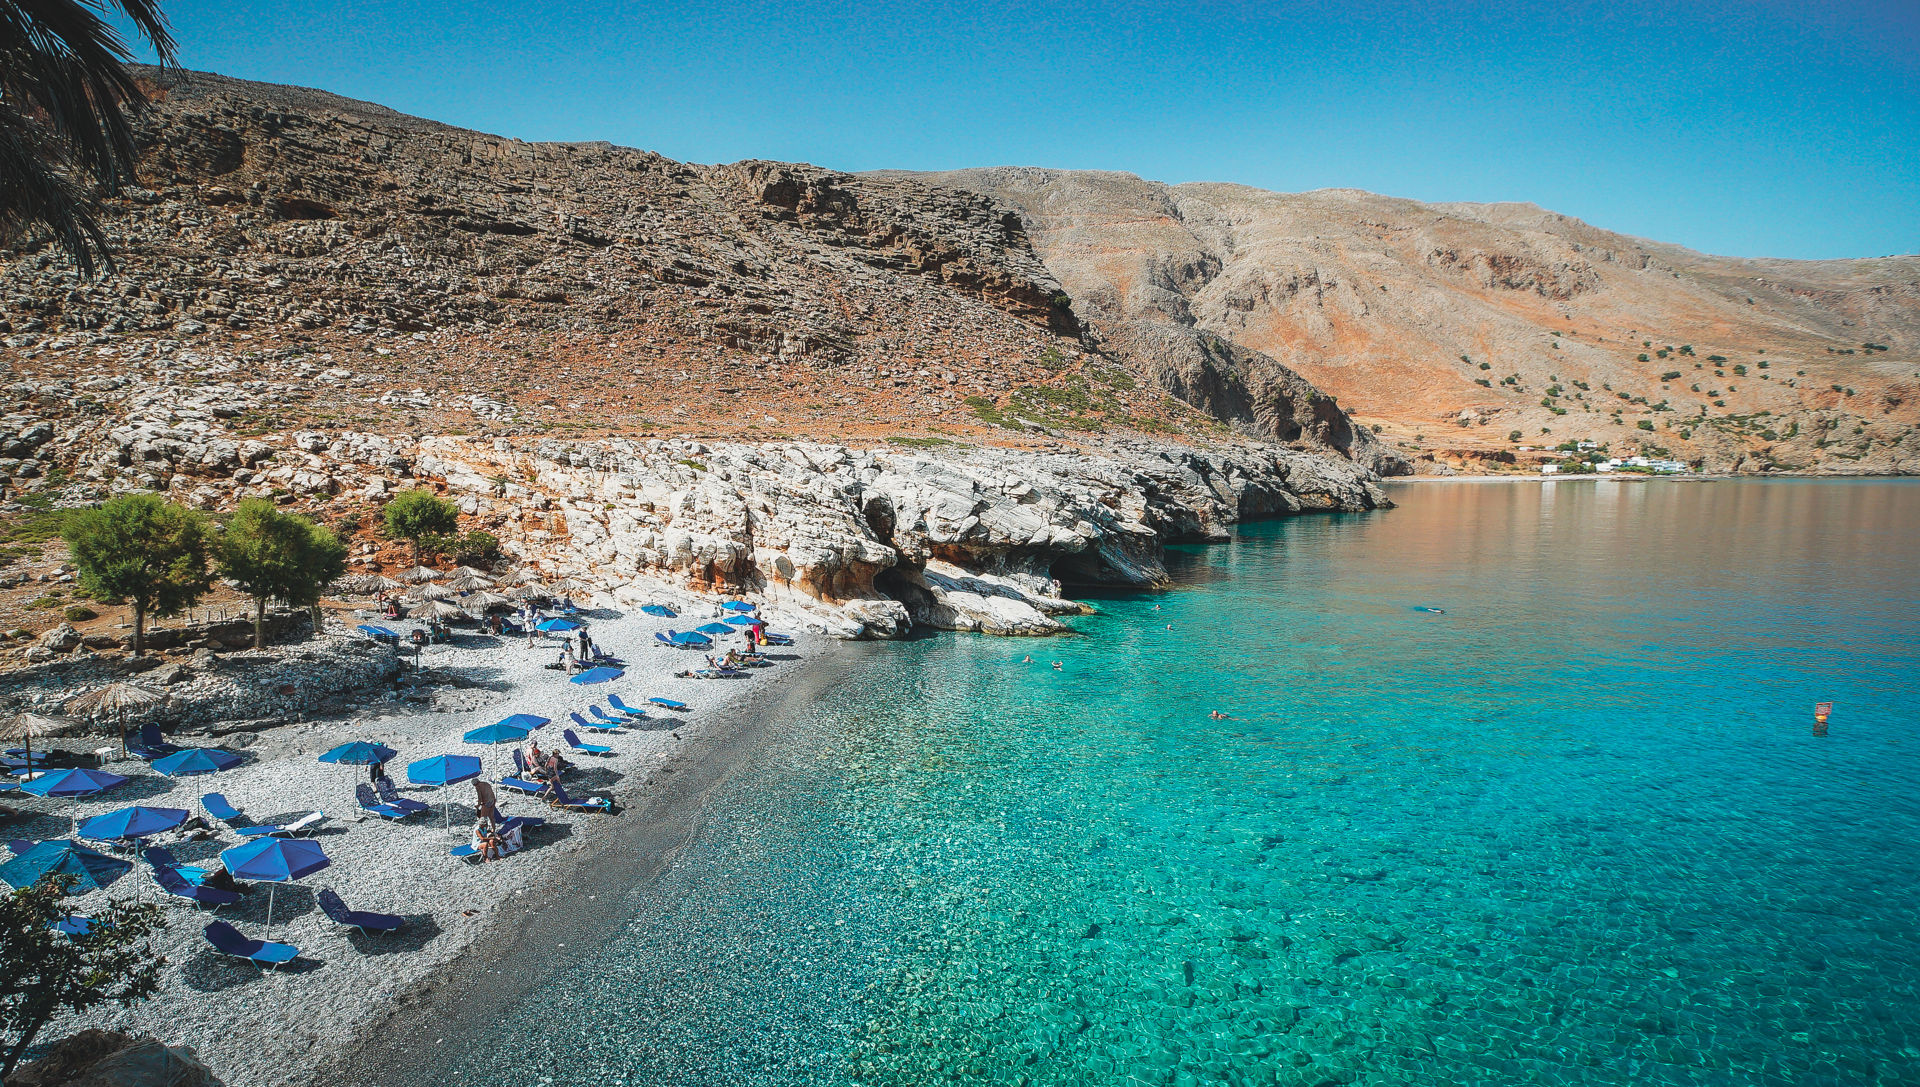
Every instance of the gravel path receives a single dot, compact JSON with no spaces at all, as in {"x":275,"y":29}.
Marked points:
{"x":255,"y":1029}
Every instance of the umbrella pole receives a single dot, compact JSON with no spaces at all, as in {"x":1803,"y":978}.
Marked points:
{"x":271,"y":888}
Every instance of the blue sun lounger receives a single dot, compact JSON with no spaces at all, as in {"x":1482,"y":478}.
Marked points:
{"x":621,"y":707}
{"x":557,"y":796}
{"x":371,"y":803}
{"x":582,"y":722}
{"x":163,"y":858}
{"x":668,"y":704}
{"x":216,"y":806}
{"x":573,"y":741}
{"x":176,"y":885}
{"x":522,"y":785}
{"x":227,"y":940}
{"x":390,"y":796}
{"x":337,"y":911}
{"x":150,"y":746}
{"x":605,"y":722}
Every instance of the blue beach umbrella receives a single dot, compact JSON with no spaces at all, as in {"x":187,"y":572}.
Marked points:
{"x":196,"y":760}
{"x":90,"y":868}
{"x":359,"y":753}
{"x":558,"y":626}
{"x":72,"y":783}
{"x":742,"y":621}
{"x":737,"y":605}
{"x":274,"y":861}
{"x":714,"y":628}
{"x":134,"y":822}
{"x":660,"y":610}
{"x":501,"y":733}
{"x":443,"y":770}
{"x":526,"y":721}
{"x":79,"y":782}
{"x":598,"y":675}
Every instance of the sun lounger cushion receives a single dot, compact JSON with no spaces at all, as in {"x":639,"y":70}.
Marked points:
{"x":390,"y":795}
{"x":227,"y":940}
{"x":176,"y":885}
{"x":334,"y":908}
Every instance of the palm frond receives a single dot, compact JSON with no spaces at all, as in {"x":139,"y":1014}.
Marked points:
{"x":64,"y":94}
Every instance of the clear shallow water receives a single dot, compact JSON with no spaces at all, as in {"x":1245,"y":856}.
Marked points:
{"x":1575,"y":830}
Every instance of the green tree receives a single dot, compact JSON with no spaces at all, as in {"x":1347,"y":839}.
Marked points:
{"x":64,"y":94}
{"x":48,"y":972}
{"x":140,"y":550}
{"x":270,"y":554}
{"x":416,"y":514}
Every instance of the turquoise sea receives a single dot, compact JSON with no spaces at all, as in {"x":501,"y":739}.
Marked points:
{"x":1576,"y":828}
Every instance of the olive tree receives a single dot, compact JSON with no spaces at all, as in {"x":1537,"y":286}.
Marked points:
{"x":141,"y":550}
{"x":268,"y":554}
{"x":416,"y":514}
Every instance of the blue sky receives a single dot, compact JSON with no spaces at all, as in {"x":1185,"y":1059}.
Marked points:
{"x":1761,"y":128}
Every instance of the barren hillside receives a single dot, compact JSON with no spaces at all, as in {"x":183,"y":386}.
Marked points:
{"x":1452,"y":326}
{"x":581,"y":289}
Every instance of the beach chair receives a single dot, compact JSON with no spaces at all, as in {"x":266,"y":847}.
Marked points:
{"x":371,"y":803}
{"x":621,"y":707}
{"x":669,"y":704}
{"x":227,"y":940}
{"x":149,"y":746}
{"x":522,"y":785}
{"x":176,"y":885}
{"x":306,"y":824}
{"x":390,"y":796}
{"x":557,"y":796}
{"x":605,"y":722}
{"x":73,"y":925}
{"x":216,"y":807}
{"x":161,"y":857}
{"x":573,"y":741}
{"x":465,"y":852}
{"x":17,"y":846}
{"x":337,"y":911}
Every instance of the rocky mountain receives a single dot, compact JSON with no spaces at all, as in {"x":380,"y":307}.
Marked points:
{"x":866,"y":400}
{"x":591,"y":288}
{"x":1453,"y":327}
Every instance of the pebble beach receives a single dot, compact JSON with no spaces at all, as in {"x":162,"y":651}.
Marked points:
{"x":253,"y":1028}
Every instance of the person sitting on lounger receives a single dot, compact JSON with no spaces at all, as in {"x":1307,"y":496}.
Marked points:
{"x":486,"y":839}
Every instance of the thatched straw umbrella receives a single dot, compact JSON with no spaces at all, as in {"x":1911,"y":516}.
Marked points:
{"x":382,"y":583}
{"x":485,"y":600}
{"x":433,"y":592}
{"x":435,"y":609}
{"x":467,"y":583}
{"x":469,"y":571}
{"x":421,"y":574}
{"x":527,"y":577}
{"x":25,"y":726}
{"x":116,"y":699}
{"x":569,"y":585}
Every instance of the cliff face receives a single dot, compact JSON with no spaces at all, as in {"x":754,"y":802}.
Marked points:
{"x":1450,"y":326}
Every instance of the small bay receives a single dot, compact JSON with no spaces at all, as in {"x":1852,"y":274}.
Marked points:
{"x":1519,"y":783}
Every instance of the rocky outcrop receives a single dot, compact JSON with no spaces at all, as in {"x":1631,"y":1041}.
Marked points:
{"x":278,"y":682}
{"x":866,"y":543}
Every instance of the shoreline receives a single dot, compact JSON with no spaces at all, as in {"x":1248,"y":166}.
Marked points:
{"x":514,"y":955}
{"x":296,"y":1025}
{"x":1637,"y":477}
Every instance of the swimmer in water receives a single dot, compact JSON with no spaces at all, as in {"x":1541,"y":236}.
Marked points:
{"x":1056,"y":666}
{"x":1028,"y":659}
{"x":1218,"y":716}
